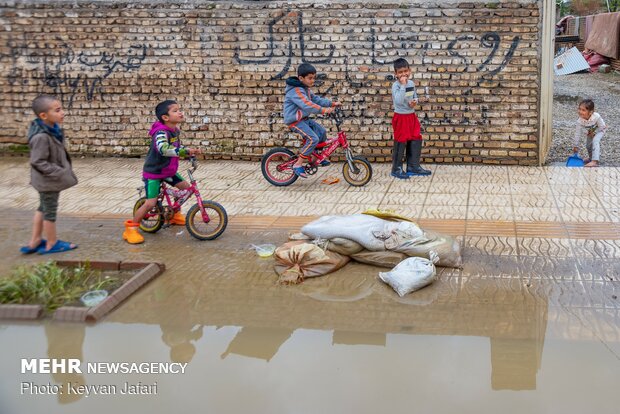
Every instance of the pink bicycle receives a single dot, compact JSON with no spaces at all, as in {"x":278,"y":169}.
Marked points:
{"x":205,"y":220}
{"x":277,"y":164}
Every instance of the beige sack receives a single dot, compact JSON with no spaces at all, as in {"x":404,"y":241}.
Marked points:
{"x":344,"y":246}
{"x":381,"y":259}
{"x":298,"y":260}
{"x":448,"y":249}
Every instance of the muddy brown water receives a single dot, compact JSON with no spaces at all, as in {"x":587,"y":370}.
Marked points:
{"x":504,"y":334}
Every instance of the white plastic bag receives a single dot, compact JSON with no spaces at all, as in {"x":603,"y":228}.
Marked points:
{"x":357,"y":227}
{"x":411,"y":274}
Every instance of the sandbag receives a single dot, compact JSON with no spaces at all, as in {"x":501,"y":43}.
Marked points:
{"x":447,"y":248}
{"x":369,"y":231}
{"x":344,"y":246}
{"x":298,"y":260}
{"x":411,"y":274}
{"x":298,"y":236}
{"x":382,"y":259}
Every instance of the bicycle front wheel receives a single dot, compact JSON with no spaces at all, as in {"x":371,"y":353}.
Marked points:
{"x":153,"y":219}
{"x":203,"y":228}
{"x":360,"y":177}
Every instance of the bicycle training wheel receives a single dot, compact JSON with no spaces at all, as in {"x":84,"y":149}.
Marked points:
{"x":213,"y":228}
{"x":153,"y":220}
{"x":364,"y":174}
{"x":271,"y":167}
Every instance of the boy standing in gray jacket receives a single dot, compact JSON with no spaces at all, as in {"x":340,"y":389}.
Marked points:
{"x":51,"y":173}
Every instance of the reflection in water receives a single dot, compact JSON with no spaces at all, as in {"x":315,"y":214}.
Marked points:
{"x":358,"y":338}
{"x":65,"y":340}
{"x":353,"y":304}
{"x":179,"y":337}
{"x":261,"y":343}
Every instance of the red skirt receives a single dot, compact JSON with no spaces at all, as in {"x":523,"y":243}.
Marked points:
{"x":406,"y":127}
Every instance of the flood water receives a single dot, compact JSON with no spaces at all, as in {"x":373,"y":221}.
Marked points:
{"x":493,"y":337}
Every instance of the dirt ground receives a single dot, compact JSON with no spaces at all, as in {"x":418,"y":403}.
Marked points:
{"x":569,"y":90}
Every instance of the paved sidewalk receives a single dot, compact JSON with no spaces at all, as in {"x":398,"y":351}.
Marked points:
{"x":550,"y":196}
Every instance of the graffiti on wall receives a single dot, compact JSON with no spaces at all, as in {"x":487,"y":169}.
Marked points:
{"x":298,"y":16}
{"x":60,"y":70}
{"x":408,"y":45}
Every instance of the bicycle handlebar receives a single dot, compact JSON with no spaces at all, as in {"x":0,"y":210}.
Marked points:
{"x":337,"y":115}
{"x":192,"y":159}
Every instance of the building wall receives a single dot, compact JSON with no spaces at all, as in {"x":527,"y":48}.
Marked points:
{"x":225,"y":62}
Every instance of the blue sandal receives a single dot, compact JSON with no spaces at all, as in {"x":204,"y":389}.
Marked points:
{"x":59,"y":247}
{"x":325,"y":163}
{"x":30,"y":250}
{"x":300,"y":172}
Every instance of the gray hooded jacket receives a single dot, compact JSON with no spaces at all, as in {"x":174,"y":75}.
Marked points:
{"x":51,"y":165}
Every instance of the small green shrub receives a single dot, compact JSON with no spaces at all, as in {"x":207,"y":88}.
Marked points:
{"x":52,"y":286}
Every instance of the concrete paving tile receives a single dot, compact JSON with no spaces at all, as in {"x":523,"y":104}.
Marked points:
{"x":451,"y":178}
{"x":447,"y":199}
{"x":490,"y":200}
{"x":537,"y":214}
{"x":538,"y":201}
{"x":446,"y":188}
{"x":587,"y":202}
{"x":492,"y":213}
{"x":530,"y":189}
{"x":264,"y":209}
{"x":572,"y":190}
{"x":493,"y":245}
{"x":596,"y":249}
{"x":412,"y":185}
{"x":482,"y":188}
{"x":404,"y":199}
{"x":443,"y":212}
{"x":344,"y":209}
{"x":544,"y":247}
{"x":365,"y":198}
{"x":584,"y":215}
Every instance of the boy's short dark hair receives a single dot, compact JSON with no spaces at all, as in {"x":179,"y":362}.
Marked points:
{"x":400,"y":63}
{"x":588,"y":104}
{"x":305,"y":69}
{"x":162,"y":108}
{"x":42,"y":103}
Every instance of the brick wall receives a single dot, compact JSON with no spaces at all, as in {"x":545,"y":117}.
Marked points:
{"x":112,"y":61}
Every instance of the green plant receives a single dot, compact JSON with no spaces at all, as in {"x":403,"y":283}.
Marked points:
{"x":614,"y":5}
{"x":562,"y":7}
{"x":49,"y":285}
{"x":587,"y":7}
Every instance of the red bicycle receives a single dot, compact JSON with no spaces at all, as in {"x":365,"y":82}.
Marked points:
{"x":205,"y":220}
{"x":277,"y":164}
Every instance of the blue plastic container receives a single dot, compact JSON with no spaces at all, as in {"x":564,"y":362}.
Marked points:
{"x":574,"y":161}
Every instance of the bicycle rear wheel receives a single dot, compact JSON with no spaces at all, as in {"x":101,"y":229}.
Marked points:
{"x":271,"y":167}
{"x":153,"y":220}
{"x":213,"y":228}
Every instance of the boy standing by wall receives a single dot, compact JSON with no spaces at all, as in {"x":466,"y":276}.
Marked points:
{"x":50,"y":174}
{"x":405,"y":124}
